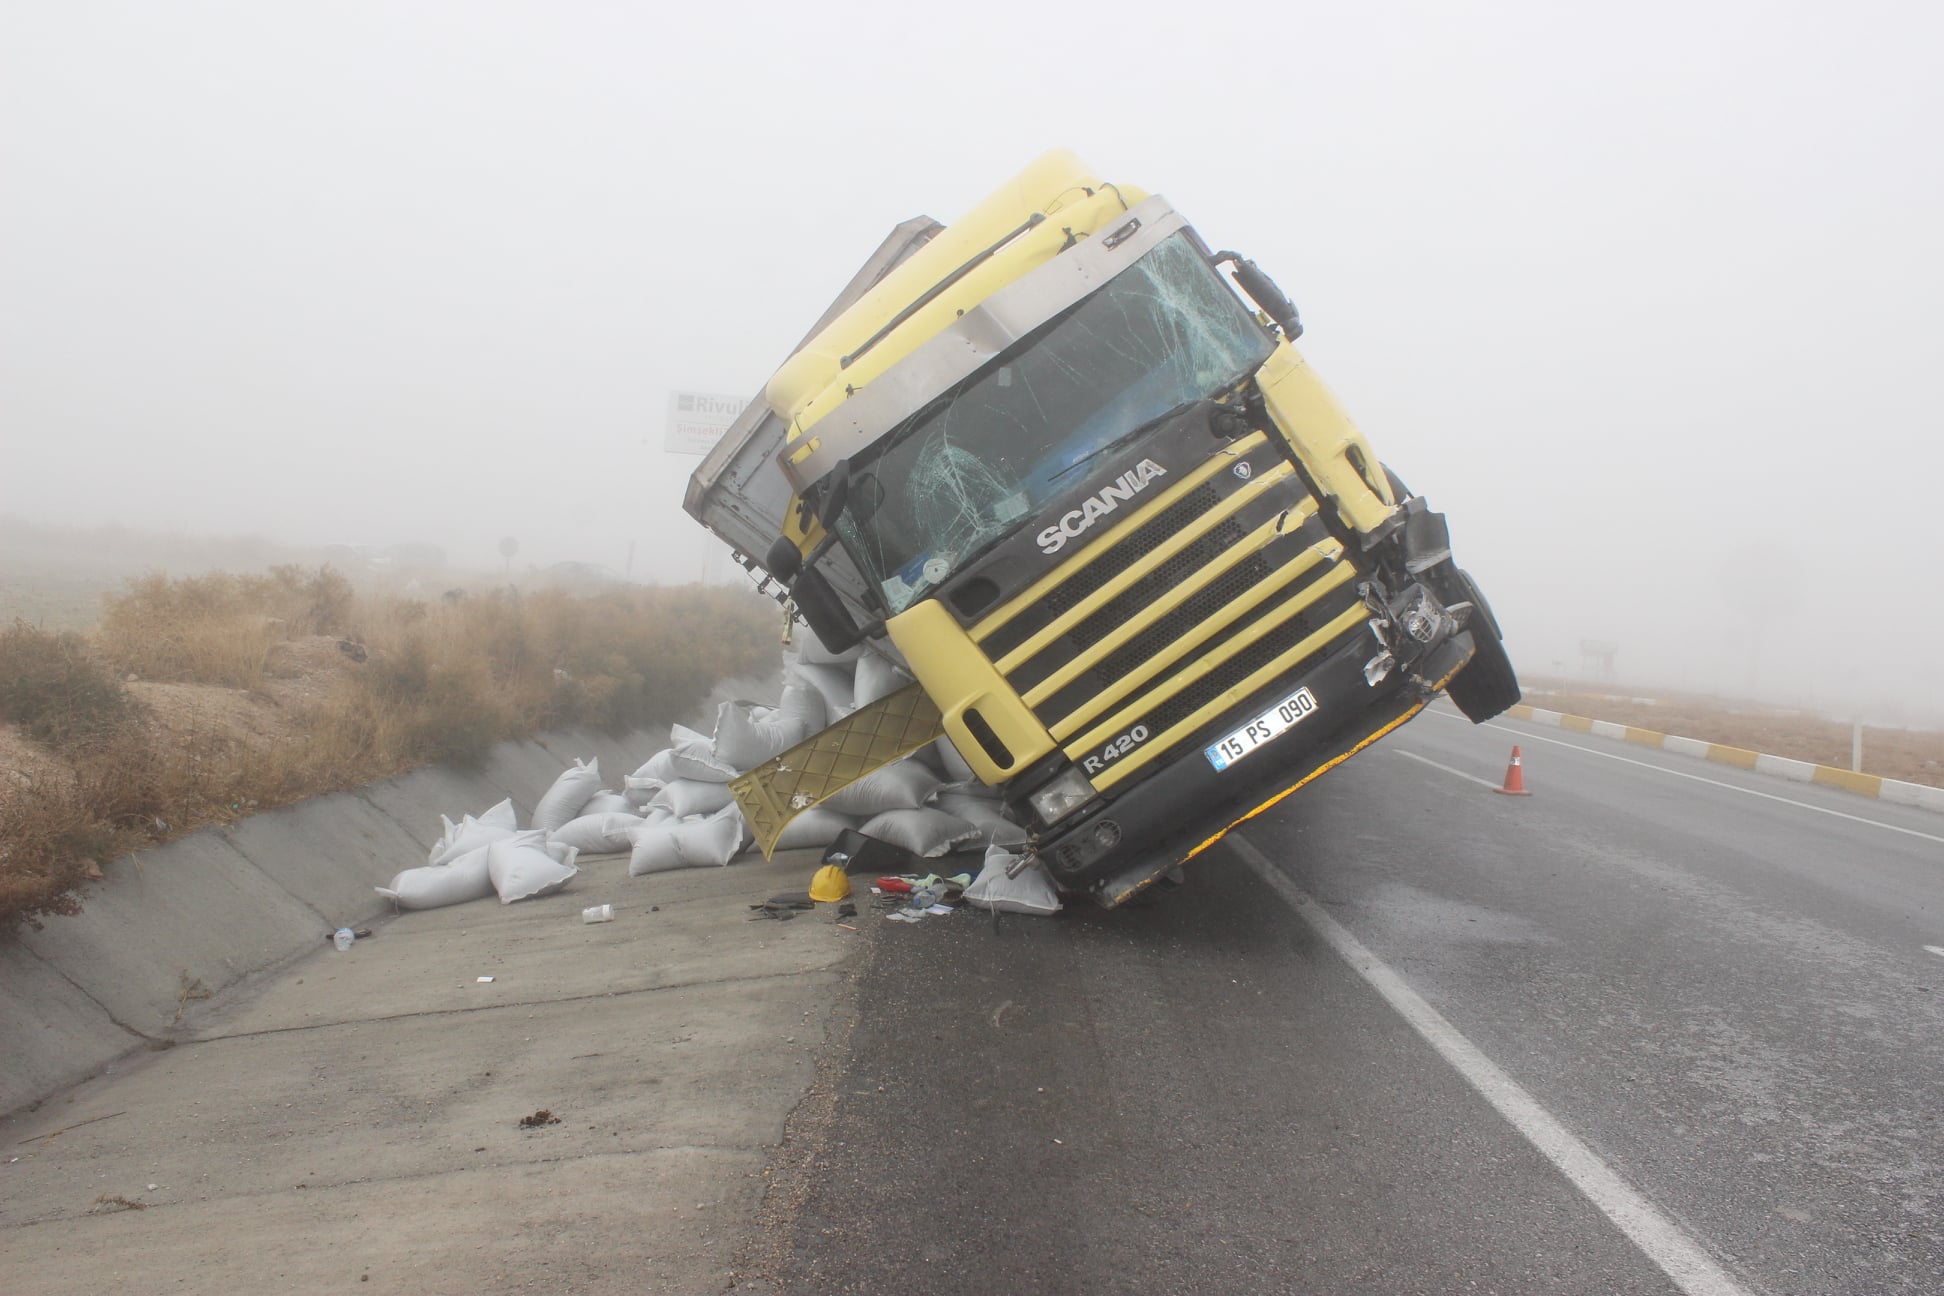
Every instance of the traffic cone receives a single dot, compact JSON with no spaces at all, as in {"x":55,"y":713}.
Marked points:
{"x":1514,"y":777}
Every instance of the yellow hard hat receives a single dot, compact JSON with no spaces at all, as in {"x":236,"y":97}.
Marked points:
{"x":831,"y":883}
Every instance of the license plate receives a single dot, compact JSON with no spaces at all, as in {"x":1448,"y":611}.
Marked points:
{"x":1271,"y":724}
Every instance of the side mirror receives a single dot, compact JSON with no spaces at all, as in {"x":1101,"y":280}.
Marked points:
{"x":1263,"y":291}
{"x":784,"y":560}
{"x":836,"y":494}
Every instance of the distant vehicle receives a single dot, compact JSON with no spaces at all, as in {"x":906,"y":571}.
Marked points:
{"x":1148,"y":573}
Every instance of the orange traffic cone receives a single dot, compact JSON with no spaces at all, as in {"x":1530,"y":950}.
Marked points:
{"x":1514,"y":778}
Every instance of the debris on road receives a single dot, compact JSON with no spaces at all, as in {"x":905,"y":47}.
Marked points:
{"x":539,"y":1118}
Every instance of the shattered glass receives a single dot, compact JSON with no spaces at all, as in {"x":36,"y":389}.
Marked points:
{"x":970,"y":467}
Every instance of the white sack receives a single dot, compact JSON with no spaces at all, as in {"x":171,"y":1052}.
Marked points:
{"x":834,"y":684}
{"x":745,"y":741}
{"x":525,"y":866}
{"x":811,"y":651}
{"x":597,"y":834}
{"x":901,"y":785}
{"x":466,"y":878}
{"x":876,"y":678}
{"x":606,"y":802}
{"x":640,"y":789}
{"x":802,"y":704}
{"x":652,"y":847}
{"x":815,"y":827}
{"x":688,"y":761}
{"x":956,"y":770}
{"x":502,"y":815}
{"x":688,"y":797}
{"x":925,"y":832}
{"x":572,"y":790}
{"x":464,"y":837}
{"x":987,"y":814}
{"x":687,"y":843}
{"x":1032,"y":892}
{"x":711,"y":842}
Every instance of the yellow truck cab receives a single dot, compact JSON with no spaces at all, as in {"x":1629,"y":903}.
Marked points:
{"x":1146,"y":570}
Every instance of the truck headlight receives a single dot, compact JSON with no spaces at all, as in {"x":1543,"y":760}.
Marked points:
{"x":1068,"y":791}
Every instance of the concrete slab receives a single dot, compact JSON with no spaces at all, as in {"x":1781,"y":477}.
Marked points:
{"x":666,"y":933}
{"x":329,"y":852}
{"x":55,"y":1035}
{"x":415,"y":801}
{"x":181,"y":921}
{"x":360,"y":1112}
{"x":665,"y":1221}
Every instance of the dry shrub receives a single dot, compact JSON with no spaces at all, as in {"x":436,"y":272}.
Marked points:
{"x":53,"y":830}
{"x":218,"y":629}
{"x":54,"y":688}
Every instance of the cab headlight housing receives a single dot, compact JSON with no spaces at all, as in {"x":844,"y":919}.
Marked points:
{"x":1066,"y":792}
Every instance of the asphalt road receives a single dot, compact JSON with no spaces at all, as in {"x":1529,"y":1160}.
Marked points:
{"x":1691,"y":1039}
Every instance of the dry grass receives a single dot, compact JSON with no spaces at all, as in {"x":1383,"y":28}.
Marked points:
{"x":218,"y":629}
{"x":262,"y":711}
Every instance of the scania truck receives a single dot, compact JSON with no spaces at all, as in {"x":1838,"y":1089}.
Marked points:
{"x":1065,"y":461}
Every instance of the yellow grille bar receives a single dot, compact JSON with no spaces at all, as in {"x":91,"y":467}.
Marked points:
{"x":1163,"y":607}
{"x":1065,"y":572}
{"x":1147,"y":563}
{"x":1121,"y":689}
{"x":1159,"y":743}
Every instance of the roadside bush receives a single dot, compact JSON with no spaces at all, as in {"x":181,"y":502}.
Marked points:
{"x":218,"y":629}
{"x":55,"y":688}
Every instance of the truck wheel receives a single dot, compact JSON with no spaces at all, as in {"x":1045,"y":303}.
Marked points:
{"x":1488,"y":684}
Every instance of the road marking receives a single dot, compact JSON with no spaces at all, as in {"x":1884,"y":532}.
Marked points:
{"x":1936,"y":949}
{"x":1484,"y":783}
{"x":1662,"y":769}
{"x":1663,"y":1241}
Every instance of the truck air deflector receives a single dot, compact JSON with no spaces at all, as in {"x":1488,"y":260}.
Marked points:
{"x":863,"y":742}
{"x":1153,"y":514}
{"x":878,"y":407}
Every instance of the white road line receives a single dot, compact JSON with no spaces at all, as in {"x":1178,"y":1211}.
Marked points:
{"x":1658,"y":1237}
{"x":1936,"y":949}
{"x":1662,"y":769}
{"x":1484,"y":783}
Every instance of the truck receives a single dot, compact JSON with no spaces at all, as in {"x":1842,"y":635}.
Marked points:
{"x":1063,"y":460}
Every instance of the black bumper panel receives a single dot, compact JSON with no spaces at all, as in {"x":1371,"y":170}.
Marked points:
{"x":1185,"y":806}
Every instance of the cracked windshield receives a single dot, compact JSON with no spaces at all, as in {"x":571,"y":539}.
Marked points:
{"x":1163,"y":333}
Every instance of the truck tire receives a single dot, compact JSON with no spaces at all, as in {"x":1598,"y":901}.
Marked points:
{"x":1488,"y":684}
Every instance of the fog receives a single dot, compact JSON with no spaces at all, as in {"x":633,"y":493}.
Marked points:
{"x":1644,"y":297}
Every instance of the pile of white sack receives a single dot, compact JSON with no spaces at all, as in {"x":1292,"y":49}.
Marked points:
{"x":676,"y":811}
{"x":482,"y":855}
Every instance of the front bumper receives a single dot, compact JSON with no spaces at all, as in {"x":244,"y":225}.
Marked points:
{"x":1121,"y":846}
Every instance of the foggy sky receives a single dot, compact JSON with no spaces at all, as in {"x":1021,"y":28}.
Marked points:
{"x":1644,"y":297}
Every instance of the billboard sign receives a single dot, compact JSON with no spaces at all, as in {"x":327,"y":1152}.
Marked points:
{"x":697,"y":420}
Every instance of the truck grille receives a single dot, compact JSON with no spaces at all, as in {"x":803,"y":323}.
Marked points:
{"x":1162,"y":617}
